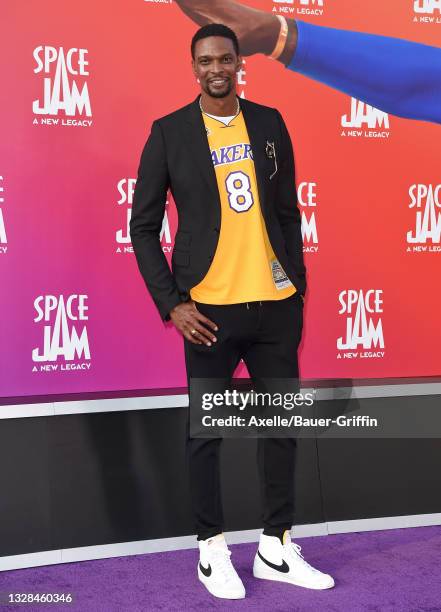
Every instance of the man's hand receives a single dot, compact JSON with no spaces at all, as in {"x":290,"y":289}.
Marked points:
{"x":256,"y":30}
{"x":192,"y":324}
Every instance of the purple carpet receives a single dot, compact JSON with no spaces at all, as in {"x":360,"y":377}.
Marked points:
{"x":385,"y":571}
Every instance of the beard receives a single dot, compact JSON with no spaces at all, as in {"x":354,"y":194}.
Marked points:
{"x":219,"y":93}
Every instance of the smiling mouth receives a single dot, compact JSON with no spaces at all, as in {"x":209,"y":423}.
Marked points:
{"x":218,"y":82}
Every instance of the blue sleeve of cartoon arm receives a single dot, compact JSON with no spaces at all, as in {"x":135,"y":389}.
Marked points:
{"x":394,"y":75}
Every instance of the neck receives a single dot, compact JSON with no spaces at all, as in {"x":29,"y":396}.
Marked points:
{"x":222,"y":107}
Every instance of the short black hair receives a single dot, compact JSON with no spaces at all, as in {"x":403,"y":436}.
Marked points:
{"x":215,"y":29}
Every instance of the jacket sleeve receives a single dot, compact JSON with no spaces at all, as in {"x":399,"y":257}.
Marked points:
{"x":396,"y":76}
{"x":287,"y":208}
{"x":146,"y":222}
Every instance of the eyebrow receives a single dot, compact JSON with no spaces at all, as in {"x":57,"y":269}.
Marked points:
{"x":200,"y":57}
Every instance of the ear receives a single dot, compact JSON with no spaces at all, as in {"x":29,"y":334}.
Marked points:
{"x":239,"y":64}
{"x":193,"y":67}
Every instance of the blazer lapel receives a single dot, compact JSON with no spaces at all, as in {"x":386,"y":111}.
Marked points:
{"x":197,"y":142}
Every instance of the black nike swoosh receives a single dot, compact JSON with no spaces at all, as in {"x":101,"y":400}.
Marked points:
{"x":284,"y":568}
{"x":205,"y":570}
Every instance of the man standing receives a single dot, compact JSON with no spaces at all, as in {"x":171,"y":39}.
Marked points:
{"x":236,"y":286}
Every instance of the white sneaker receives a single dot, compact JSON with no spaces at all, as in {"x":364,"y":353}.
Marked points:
{"x":284,"y":563}
{"x":216,"y":571}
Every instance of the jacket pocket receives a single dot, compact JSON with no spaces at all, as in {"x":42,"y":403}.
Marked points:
{"x":181,"y":252}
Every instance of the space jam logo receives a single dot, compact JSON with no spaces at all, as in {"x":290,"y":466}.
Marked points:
{"x":364,"y":329}
{"x":425,"y":200}
{"x":241,"y":79}
{"x":365,"y":121}
{"x":306,"y":195}
{"x":3,"y":238}
{"x":126,"y":188}
{"x":299,"y":7}
{"x":65,"y":90}
{"x":65,"y":344}
{"x":427,"y":11}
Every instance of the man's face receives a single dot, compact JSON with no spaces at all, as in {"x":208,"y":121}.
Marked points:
{"x":215,"y":65}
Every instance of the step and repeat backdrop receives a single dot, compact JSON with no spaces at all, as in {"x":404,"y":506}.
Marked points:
{"x":82,"y":83}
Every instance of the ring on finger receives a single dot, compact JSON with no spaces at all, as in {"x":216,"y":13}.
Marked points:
{"x":193,"y":331}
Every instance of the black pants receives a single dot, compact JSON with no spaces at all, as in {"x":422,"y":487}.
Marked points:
{"x":266,"y":335}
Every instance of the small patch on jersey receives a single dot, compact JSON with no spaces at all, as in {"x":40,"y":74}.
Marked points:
{"x":208,"y":130}
{"x":280,"y":279}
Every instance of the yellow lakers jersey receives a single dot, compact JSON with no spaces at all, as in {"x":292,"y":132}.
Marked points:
{"x":244,"y":267}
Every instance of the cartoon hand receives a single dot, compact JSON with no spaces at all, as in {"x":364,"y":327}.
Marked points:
{"x":256,"y":30}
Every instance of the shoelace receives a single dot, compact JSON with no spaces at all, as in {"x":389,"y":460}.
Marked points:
{"x":295,"y":552}
{"x":220,"y":559}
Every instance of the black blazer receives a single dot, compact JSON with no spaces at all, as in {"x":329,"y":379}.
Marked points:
{"x":176,"y":156}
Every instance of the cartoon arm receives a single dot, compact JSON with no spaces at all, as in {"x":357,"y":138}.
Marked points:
{"x":395,"y":75}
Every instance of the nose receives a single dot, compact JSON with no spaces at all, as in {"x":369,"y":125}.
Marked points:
{"x":217,"y":67}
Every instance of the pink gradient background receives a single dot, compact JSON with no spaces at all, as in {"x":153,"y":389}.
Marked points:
{"x":61,"y":211}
